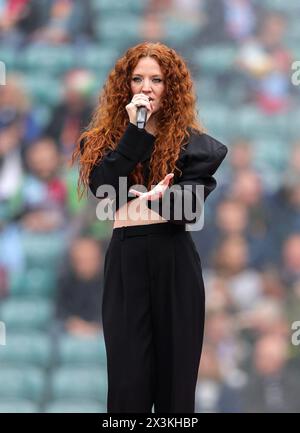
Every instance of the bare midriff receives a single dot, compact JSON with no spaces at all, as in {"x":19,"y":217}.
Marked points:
{"x":144,"y":215}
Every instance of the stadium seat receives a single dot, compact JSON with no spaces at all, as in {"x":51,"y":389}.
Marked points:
{"x":82,"y":351}
{"x":293,"y":124}
{"x":107,"y":7}
{"x":290,"y":7}
{"x":8,"y":57}
{"x":215,"y":117}
{"x":118,"y":32}
{"x":177,"y":31}
{"x":34,"y":282}
{"x":214,"y":59}
{"x":43,"y":250}
{"x":32,"y":348}
{"x":20,"y":314}
{"x":47,"y":58}
{"x":62,"y":406}
{"x":18,"y":406}
{"x":251,"y":122}
{"x":44,"y":89}
{"x":79,"y":384}
{"x":26,"y":383}
{"x":272,"y":153}
{"x":99,"y":59}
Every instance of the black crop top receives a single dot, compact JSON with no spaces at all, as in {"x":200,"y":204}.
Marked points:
{"x":198,"y":161}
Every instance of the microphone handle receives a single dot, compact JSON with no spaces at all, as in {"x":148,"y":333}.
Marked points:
{"x":141,"y":117}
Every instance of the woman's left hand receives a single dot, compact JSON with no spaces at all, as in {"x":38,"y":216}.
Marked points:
{"x":157,"y":191}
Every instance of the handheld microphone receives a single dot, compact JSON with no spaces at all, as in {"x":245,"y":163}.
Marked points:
{"x":141,"y":117}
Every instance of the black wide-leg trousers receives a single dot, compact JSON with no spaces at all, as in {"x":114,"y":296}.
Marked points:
{"x":153,"y":318}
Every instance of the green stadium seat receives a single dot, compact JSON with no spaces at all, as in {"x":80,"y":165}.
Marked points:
{"x":18,"y":406}
{"x":82,"y":351}
{"x":99,"y":59}
{"x":43,"y":250}
{"x":176,"y":31}
{"x":215,"y":59}
{"x":119,"y":32}
{"x":206,"y":89}
{"x":8,"y":56}
{"x":26,"y":383}
{"x":107,"y":7}
{"x":252,"y":122}
{"x":290,"y":7}
{"x":62,"y":406}
{"x":43,"y":88}
{"x":51,"y":59}
{"x":32,"y":348}
{"x":272,"y":154}
{"x":293,"y":124}
{"x":34,"y":282}
{"x":20,"y":314}
{"x":79,"y":384}
{"x":215,"y":117}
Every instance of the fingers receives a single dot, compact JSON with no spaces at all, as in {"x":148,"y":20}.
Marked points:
{"x":166,"y":179}
{"x":141,"y":100}
{"x":157,"y":191}
{"x":137,"y":193}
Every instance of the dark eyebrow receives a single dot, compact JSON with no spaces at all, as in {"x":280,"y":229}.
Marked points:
{"x":139,"y":75}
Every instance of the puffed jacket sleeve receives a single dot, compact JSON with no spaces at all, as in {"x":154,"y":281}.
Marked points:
{"x":131,"y":149}
{"x":200,"y":160}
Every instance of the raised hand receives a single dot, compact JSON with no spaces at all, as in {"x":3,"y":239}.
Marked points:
{"x":157,"y":192}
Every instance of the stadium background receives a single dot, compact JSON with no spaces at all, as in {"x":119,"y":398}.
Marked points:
{"x":57,"y":55}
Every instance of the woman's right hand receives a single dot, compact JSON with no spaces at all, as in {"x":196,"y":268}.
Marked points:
{"x":138,"y":100}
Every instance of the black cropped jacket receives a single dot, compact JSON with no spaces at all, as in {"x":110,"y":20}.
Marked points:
{"x":198,"y":161}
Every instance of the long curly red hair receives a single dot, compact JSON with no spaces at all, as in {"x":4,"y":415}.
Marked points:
{"x":176,"y":115}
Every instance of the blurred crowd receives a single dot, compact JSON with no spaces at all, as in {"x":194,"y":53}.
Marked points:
{"x":57,"y":54}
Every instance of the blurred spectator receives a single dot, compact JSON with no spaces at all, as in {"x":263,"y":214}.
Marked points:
{"x":272,"y":386}
{"x":293,"y":166}
{"x":216,"y":392}
{"x":59,"y":22}
{"x":12,"y":12}
{"x":43,"y":183}
{"x":221,"y":334}
{"x":224,"y":21}
{"x":80,"y":286}
{"x":190,"y":10}
{"x":153,"y":25}
{"x":231,"y":218}
{"x":247,"y":187}
{"x":74,"y":112}
{"x":291,"y":259}
{"x":285,"y":208}
{"x":15,"y":102}
{"x":231,"y":262}
{"x":267,"y":317}
{"x":11,"y":166}
{"x":3,"y":282}
{"x":240,"y":18}
{"x":241,"y":155}
{"x":267,"y":62}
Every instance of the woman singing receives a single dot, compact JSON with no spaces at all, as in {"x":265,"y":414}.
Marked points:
{"x":153,"y":300}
